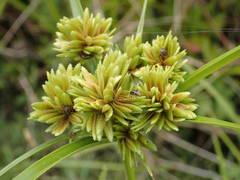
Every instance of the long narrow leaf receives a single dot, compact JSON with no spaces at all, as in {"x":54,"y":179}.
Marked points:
{"x":224,"y":103}
{"x":235,"y":151}
{"x":74,"y":164}
{"x":142,"y":18}
{"x":218,"y":150}
{"x":210,"y":67}
{"x":103,"y":173}
{"x":76,"y":8}
{"x":129,"y":170}
{"x":53,"y":10}
{"x":32,"y":152}
{"x":215,"y":122}
{"x":48,"y":161}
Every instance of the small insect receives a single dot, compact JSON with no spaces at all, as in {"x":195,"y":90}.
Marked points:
{"x":67,"y":110}
{"x":135,"y":93}
{"x":85,"y":55}
{"x":163,"y":52}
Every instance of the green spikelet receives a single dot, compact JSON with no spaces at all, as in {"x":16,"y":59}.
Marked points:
{"x":131,"y":143}
{"x":133,"y":47}
{"x":166,"y":108}
{"x":165,"y":51}
{"x":56,"y":107}
{"x":83,"y":38}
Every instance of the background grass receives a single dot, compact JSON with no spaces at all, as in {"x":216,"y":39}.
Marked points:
{"x":205,"y":28}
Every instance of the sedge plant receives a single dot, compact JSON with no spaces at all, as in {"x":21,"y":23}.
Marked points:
{"x":115,"y":95}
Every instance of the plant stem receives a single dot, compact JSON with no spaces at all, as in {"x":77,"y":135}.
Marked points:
{"x":76,"y":8}
{"x":130,"y":171}
{"x":141,"y":21}
{"x":129,"y":168}
{"x":218,"y":151}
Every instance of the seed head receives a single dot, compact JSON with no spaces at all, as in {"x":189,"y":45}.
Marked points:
{"x":83,"y":38}
{"x":165,"y":51}
{"x":120,"y":96}
{"x":165,"y":107}
{"x":56,"y":107}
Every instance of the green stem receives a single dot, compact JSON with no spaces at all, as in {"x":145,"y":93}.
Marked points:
{"x":76,"y":8}
{"x":130,"y":171}
{"x":218,"y":151}
{"x":141,"y":22}
{"x":230,"y":144}
{"x":129,"y":166}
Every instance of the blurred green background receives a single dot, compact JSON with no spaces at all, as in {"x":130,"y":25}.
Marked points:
{"x":206,"y":28}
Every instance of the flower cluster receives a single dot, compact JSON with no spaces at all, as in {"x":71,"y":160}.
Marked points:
{"x":57,"y":107}
{"x":165,"y":51}
{"x":83,"y":37}
{"x":165,"y":108}
{"x":124,"y":96}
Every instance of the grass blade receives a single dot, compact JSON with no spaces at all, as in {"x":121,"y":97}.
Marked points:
{"x":218,"y":150}
{"x":103,"y":173}
{"x":53,"y":10}
{"x":76,"y":8}
{"x":142,"y":18}
{"x":210,"y":67}
{"x":222,"y":101}
{"x":32,"y":152}
{"x":2,"y":6}
{"x":235,"y":151}
{"x":215,"y":122}
{"x":129,"y":170}
{"x":48,"y":161}
{"x":74,"y":164}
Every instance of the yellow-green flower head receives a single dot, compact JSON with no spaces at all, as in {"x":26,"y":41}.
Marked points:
{"x":131,"y":143}
{"x":104,"y":97}
{"x":56,"y":107}
{"x":133,"y":47}
{"x":83,"y":37}
{"x":165,"y":51}
{"x":166,"y":107}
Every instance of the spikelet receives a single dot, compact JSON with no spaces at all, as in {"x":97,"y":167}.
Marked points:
{"x":104,"y":97}
{"x":166,"y":107}
{"x":165,"y":51}
{"x":133,"y":47}
{"x":83,"y":38}
{"x":131,"y":142}
{"x":56,"y":107}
